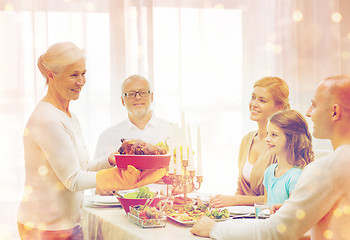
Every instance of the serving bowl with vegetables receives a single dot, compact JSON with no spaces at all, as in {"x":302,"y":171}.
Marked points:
{"x":138,"y":197}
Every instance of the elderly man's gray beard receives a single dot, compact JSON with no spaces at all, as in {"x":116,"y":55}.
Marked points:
{"x":139,"y":112}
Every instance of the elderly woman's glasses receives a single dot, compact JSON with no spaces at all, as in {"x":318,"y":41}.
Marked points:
{"x":142,"y":93}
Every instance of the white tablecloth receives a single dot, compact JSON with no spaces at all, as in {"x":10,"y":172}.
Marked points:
{"x":113,"y":223}
{"x":110,"y":223}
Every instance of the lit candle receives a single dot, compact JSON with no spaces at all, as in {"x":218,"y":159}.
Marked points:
{"x":183,"y":137}
{"x":190,"y":152}
{"x":199,"y":153}
{"x":171,"y":149}
{"x":178,"y":153}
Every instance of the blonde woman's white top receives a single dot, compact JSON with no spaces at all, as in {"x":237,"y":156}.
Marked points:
{"x":247,"y":170}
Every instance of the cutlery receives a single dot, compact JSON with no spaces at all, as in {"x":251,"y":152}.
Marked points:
{"x":154,"y":196}
{"x":164,"y":204}
{"x":118,"y":194}
{"x":243,"y":215}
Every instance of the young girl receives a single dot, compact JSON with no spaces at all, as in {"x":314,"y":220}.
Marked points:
{"x":289,"y":139}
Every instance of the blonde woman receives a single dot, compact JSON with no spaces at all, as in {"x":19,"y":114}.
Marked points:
{"x":56,"y":159}
{"x":269,"y":95}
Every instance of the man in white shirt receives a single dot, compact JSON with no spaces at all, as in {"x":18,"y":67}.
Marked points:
{"x":321,"y":198}
{"x":141,"y":123}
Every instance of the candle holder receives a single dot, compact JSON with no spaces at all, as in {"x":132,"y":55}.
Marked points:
{"x":187,"y":179}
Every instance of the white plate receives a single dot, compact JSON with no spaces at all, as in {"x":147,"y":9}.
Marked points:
{"x":105,"y":204}
{"x":98,"y":200}
{"x":240,"y":210}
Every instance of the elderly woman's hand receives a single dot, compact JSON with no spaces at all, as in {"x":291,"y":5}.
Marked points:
{"x":111,"y":159}
{"x":203,"y":227}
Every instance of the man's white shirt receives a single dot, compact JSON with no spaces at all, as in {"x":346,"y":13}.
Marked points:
{"x":157,"y":130}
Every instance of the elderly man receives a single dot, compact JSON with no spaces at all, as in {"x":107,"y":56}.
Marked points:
{"x":321,"y":198}
{"x":141,"y":123}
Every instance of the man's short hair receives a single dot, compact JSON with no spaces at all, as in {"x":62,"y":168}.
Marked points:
{"x":338,"y":91}
{"x":131,"y":78}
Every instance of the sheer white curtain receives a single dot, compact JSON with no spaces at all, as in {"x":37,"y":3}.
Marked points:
{"x":201,"y":57}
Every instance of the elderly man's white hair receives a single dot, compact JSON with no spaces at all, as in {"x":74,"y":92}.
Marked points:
{"x":132,"y":77}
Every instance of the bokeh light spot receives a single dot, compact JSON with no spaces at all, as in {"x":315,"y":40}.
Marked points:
{"x":337,"y":212}
{"x":345,"y":55}
{"x":26,"y":132}
{"x":28,"y":189}
{"x":297,"y":16}
{"x":336,"y":17}
{"x":26,"y":193}
{"x":328,"y":234}
{"x":59,"y":186}
{"x":281,"y":228}
{"x":300,"y":214}
{"x":346,"y":209}
{"x":43,"y":170}
{"x":277,"y":49}
{"x":9,"y":7}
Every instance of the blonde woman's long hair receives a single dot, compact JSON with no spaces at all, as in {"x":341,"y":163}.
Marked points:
{"x":299,"y":140}
{"x":278,"y":88}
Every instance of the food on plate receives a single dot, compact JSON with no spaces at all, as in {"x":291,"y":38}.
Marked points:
{"x":142,"y":192}
{"x":147,"y":212}
{"x":146,"y":216}
{"x":193,"y":213}
{"x":138,"y":147}
{"x":218,"y":214}
{"x":163,"y":145}
{"x":182,"y":201}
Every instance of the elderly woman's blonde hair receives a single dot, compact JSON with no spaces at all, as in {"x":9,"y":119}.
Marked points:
{"x":58,"y":57}
{"x":278,"y":88}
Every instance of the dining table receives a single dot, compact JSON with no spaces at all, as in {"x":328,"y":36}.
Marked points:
{"x":110,"y":222}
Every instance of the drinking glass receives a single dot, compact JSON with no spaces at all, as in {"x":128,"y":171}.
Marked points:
{"x":262,"y":210}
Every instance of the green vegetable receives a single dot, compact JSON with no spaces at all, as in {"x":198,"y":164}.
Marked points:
{"x":143,"y":192}
{"x":218,"y":214}
{"x":225,"y":213}
{"x":202,"y":208}
{"x":188,"y":208}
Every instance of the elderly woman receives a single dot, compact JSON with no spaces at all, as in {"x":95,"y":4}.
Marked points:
{"x":56,"y":158}
{"x":270,"y":94}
